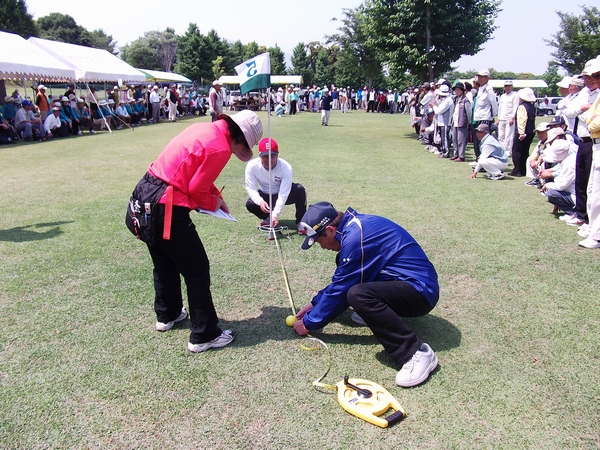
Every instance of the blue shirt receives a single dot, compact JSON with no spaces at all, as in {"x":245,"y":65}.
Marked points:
{"x":373,"y":248}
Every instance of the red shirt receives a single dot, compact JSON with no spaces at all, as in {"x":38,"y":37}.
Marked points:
{"x":191,"y":163}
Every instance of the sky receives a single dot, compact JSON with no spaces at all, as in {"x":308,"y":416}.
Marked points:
{"x":517,"y":45}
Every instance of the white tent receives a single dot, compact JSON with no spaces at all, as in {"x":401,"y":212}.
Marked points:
{"x":20,"y":59}
{"x":164,"y":77}
{"x":91,"y":64}
{"x":275,"y":79}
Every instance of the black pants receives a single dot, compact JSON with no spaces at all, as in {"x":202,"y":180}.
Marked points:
{"x":293,"y":104}
{"x":520,"y":153}
{"x":583,"y":167}
{"x":183,"y":255}
{"x":382,"y":304}
{"x":297,"y":197}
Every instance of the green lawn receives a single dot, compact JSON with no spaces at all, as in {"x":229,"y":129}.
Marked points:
{"x":516,"y":328}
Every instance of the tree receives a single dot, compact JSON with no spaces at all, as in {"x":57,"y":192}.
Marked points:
{"x":301,"y":64}
{"x":141,"y":54}
{"x":193,"y":59}
{"x":165,"y":45}
{"x":14,"y":18}
{"x":426,"y":36}
{"x":324,"y":75}
{"x":63,"y":28}
{"x":104,"y":41}
{"x":578,"y":39}
{"x":277,"y":60}
{"x":551,"y":77}
{"x":359,"y":58}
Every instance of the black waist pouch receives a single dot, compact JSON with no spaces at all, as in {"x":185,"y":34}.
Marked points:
{"x":142,"y":210}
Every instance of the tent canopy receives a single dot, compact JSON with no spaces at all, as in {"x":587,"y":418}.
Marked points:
{"x":164,"y":77}
{"x":21,"y":59}
{"x":275,"y":79}
{"x":517,"y":84}
{"x":90,"y":64}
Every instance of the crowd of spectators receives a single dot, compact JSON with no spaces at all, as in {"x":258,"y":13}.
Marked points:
{"x":46,"y":117}
{"x":565,"y":163}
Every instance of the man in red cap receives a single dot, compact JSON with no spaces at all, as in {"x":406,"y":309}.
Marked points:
{"x":269,"y":174}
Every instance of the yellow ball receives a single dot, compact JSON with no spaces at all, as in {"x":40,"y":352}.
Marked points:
{"x":290,"y":320}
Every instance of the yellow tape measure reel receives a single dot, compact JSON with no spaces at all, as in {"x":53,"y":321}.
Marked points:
{"x":361,"y":398}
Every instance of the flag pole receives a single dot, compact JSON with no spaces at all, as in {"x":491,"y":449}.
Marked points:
{"x":269,"y":141}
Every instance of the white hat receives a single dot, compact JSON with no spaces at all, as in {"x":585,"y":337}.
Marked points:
{"x":543,"y":126}
{"x":149,"y":86}
{"x":252,"y":128}
{"x":565,"y":82}
{"x":559,"y":149}
{"x":140,"y":100}
{"x":217,"y":82}
{"x":80,"y":100}
{"x":440,"y":81}
{"x":443,"y":91}
{"x":64,"y":99}
{"x":41,"y":86}
{"x":102,"y":103}
{"x":56,"y":108}
{"x":111,"y":101}
{"x":553,"y":133}
{"x":508,"y":83}
{"x":527,"y":95}
{"x":130,"y":99}
{"x":116,"y":88}
{"x":325,"y":89}
{"x":592,"y":66}
{"x":484,"y":73}
{"x":155,"y":87}
{"x":577,"y":81}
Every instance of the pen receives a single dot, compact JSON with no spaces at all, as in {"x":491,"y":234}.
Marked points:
{"x":221,"y":191}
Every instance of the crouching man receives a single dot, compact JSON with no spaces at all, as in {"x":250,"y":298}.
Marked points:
{"x":383,"y":274}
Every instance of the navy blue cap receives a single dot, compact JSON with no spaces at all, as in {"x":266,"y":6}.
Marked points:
{"x":315,"y":220}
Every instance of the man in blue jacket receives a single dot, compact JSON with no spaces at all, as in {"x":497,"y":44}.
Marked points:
{"x":383,"y":274}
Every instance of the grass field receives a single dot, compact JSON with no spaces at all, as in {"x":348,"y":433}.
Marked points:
{"x":516,"y":329}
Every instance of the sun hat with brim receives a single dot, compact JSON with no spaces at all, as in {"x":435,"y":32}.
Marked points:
{"x":251,"y":127}
{"x":527,"y":95}
{"x":80,"y":100}
{"x":558,"y":151}
{"x":565,"y":82}
{"x":443,"y":91}
{"x":543,"y":126}
{"x":41,"y":86}
{"x":483,"y":73}
{"x":577,"y":81}
{"x":553,"y":133}
{"x":140,"y":100}
{"x":64,"y":99}
{"x":459,"y":85}
{"x":56,"y":108}
{"x":592,"y":66}
{"x":217,"y":83}
{"x":102,"y":103}
{"x":111,"y":101}
{"x":315,"y":220}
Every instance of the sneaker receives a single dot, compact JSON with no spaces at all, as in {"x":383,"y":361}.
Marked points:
{"x":574,"y":221}
{"x":566,"y":217}
{"x":437,"y":152}
{"x":92,"y":132}
{"x":160,"y":326}
{"x":301,"y":229}
{"x":221,"y":341}
{"x":498,"y":177}
{"x":589,"y":243}
{"x":80,"y":133}
{"x":264,"y":223}
{"x":358,"y":320}
{"x":417,"y":370}
{"x":534,"y":182}
{"x":584,"y":233}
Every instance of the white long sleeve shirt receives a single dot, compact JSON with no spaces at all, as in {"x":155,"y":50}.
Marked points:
{"x":573,"y":110}
{"x":486,"y":106}
{"x":507,"y":106}
{"x":565,"y":180}
{"x":443,"y":111}
{"x":281,"y":182}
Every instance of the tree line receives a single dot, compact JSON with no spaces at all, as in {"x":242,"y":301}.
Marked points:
{"x":383,"y":43}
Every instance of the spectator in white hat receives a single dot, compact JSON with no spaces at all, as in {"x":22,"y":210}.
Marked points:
{"x":443,"y":112}
{"x":215,"y":100}
{"x":485,"y":106}
{"x":507,"y":111}
{"x":524,"y":132}
{"x":569,"y":89}
{"x":578,"y":110}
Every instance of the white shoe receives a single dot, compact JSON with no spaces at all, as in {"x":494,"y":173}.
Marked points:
{"x":437,"y":152}
{"x":358,"y":320}
{"x":222,"y":340}
{"x":574,"y":221}
{"x":417,"y":370}
{"x":161,"y":326}
{"x":584,"y":233}
{"x":565,"y":217}
{"x":92,"y":132}
{"x":497,"y":177}
{"x":589,"y":243}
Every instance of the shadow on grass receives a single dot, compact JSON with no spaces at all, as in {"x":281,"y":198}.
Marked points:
{"x":270,"y":326}
{"x":26,"y":233}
